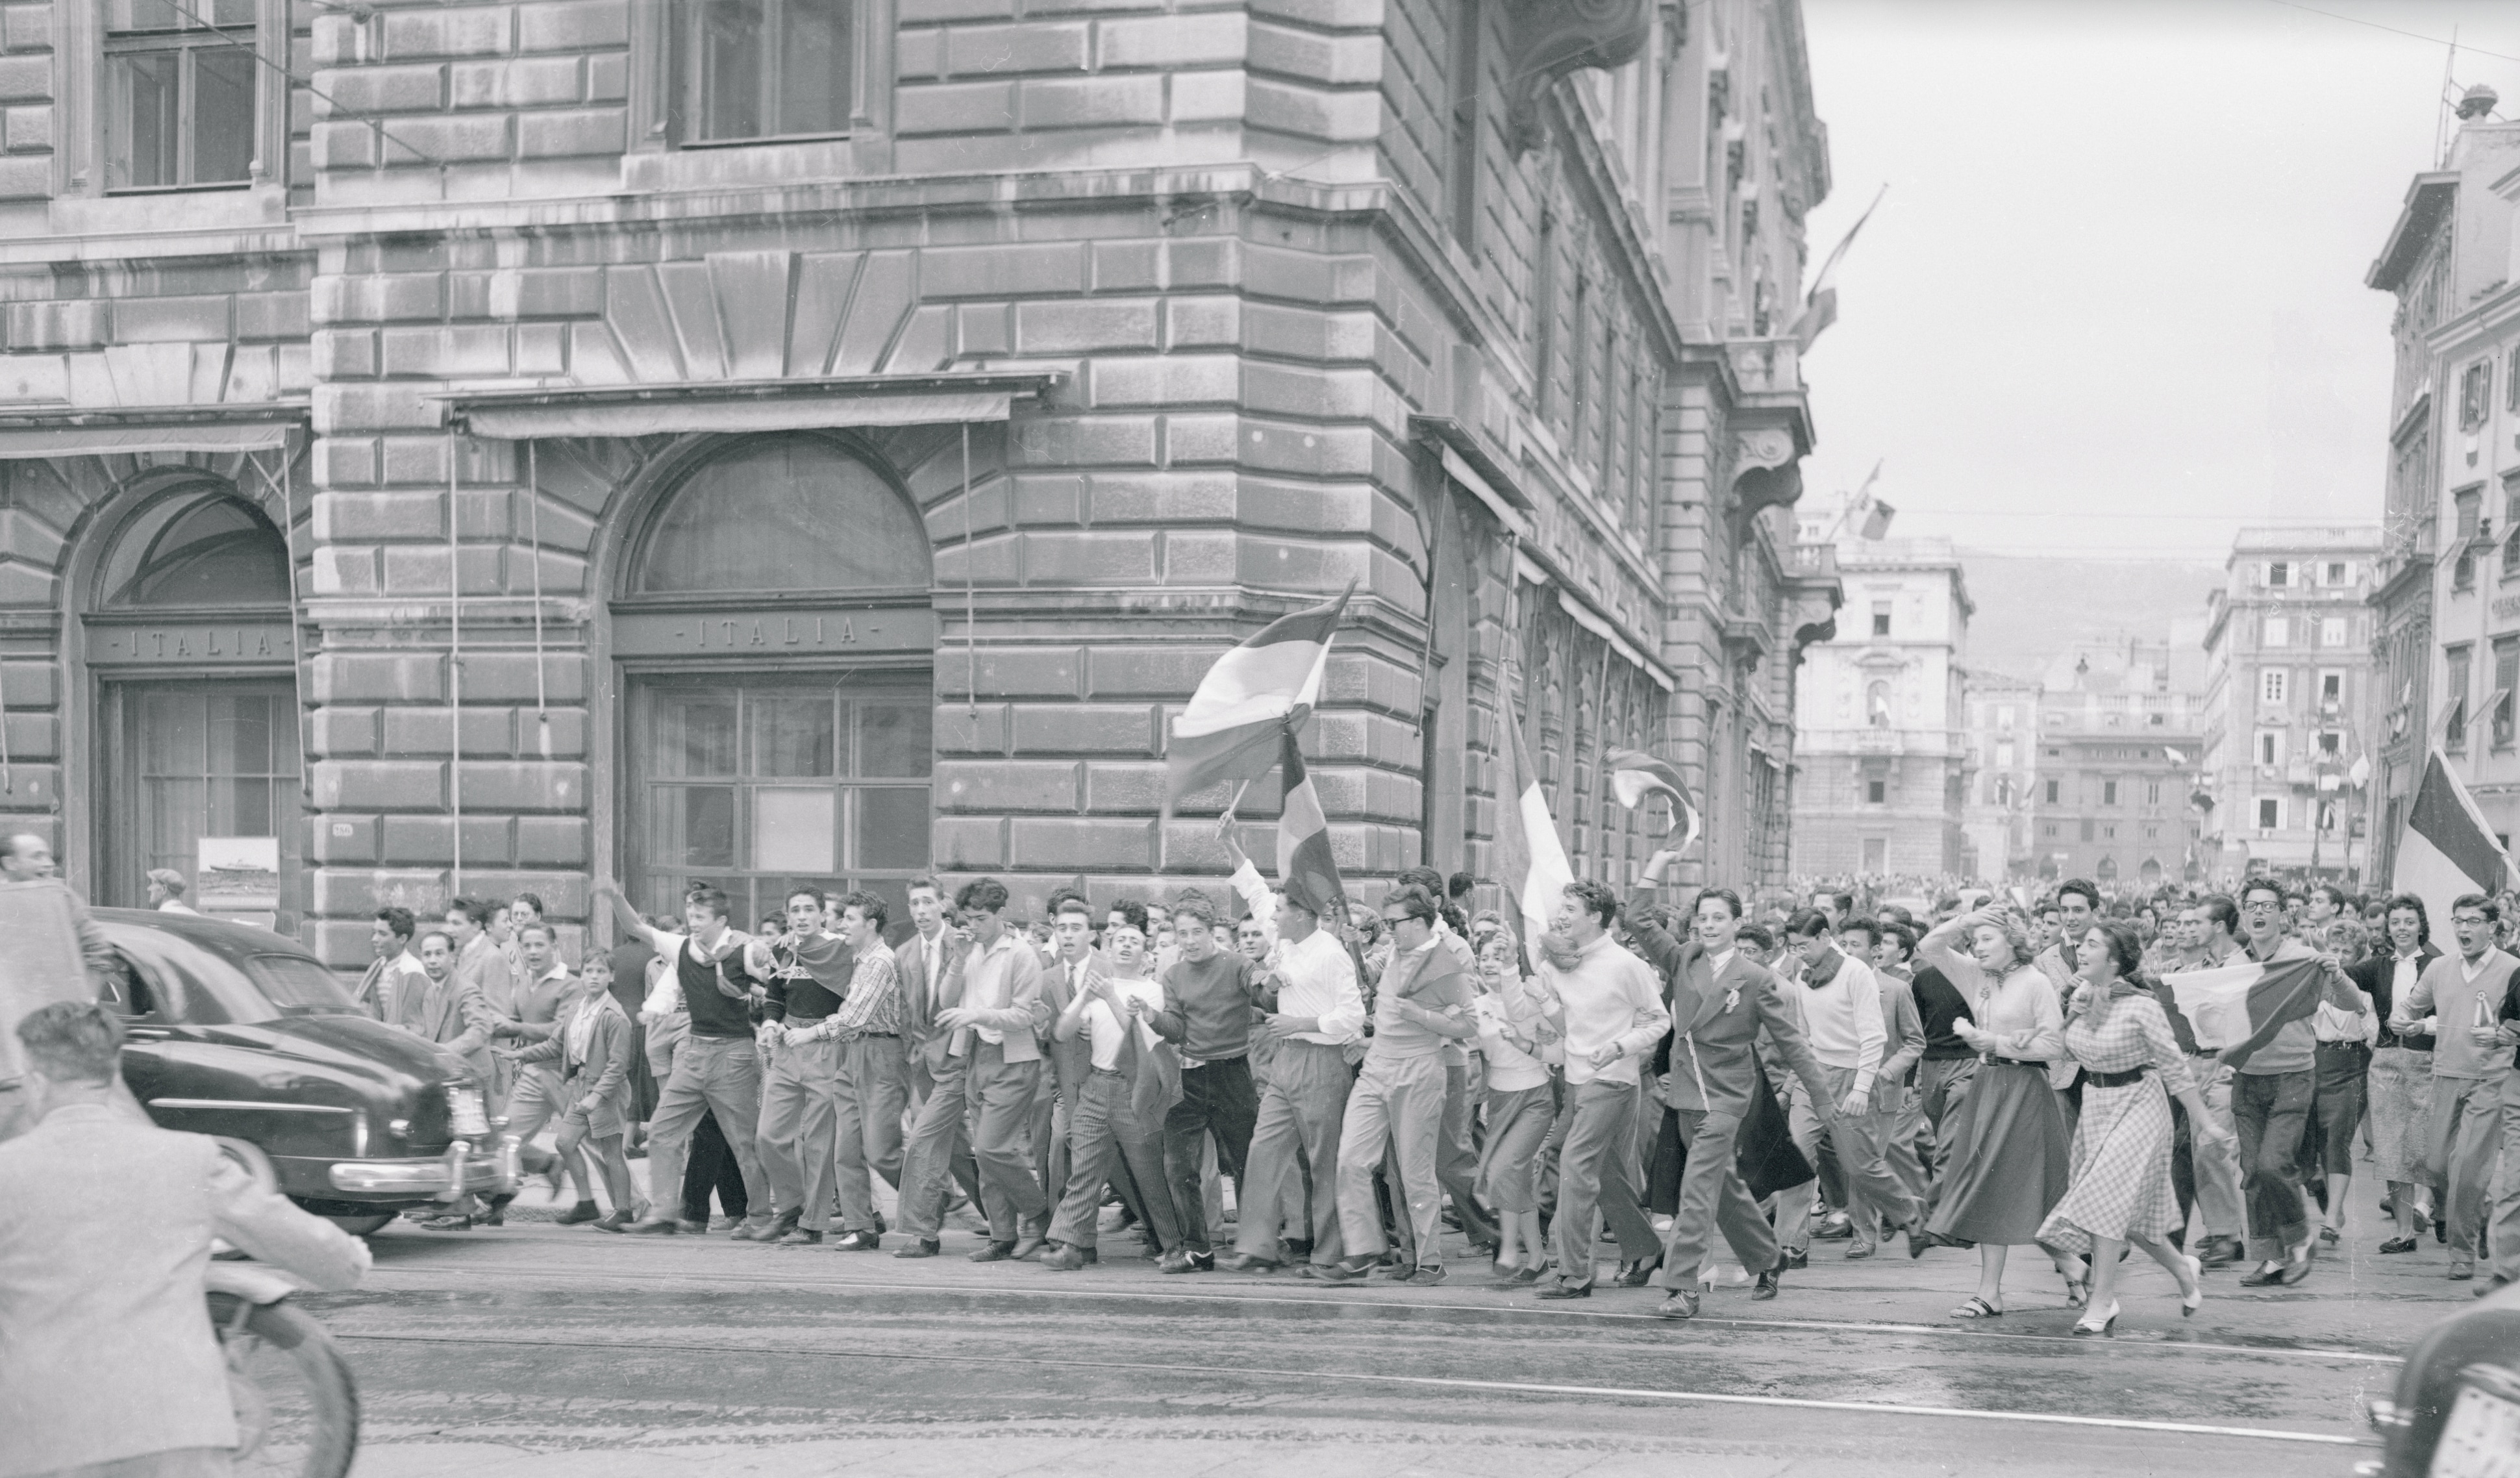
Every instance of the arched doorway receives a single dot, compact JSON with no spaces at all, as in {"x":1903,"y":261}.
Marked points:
{"x":773,"y":629}
{"x":188,"y":643}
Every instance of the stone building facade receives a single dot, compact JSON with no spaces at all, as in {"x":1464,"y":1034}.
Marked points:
{"x":492,"y":446}
{"x":2289,"y":683}
{"x":2120,"y":727}
{"x":1884,"y":742}
{"x":2003,"y":775}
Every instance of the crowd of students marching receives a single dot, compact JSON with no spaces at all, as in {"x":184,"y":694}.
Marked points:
{"x":2001,"y":1078}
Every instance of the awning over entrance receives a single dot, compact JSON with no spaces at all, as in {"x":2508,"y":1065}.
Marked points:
{"x":757,"y":405}
{"x":65,"y":431}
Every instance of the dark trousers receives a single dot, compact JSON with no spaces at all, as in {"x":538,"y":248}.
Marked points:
{"x":2268,"y":1110}
{"x":709,"y":1167}
{"x":1669,"y":1164}
{"x":1216,"y":1098}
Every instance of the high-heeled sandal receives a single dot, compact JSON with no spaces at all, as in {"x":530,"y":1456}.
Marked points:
{"x":1977,"y":1308}
{"x":2078,"y":1290}
{"x":2088,"y":1326}
{"x":2189,"y":1303}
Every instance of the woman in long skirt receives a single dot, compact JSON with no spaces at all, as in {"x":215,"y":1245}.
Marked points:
{"x":2011,"y":1150}
{"x":2121,"y":1191}
{"x":1520,"y":1108}
{"x":2401,"y":1084}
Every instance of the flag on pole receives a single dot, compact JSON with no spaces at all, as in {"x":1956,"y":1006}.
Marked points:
{"x":1819,"y":306}
{"x":2174,"y":756}
{"x":2239,"y":1008}
{"x":1634,"y":774}
{"x":1306,"y":870}
{"x":1876,"y":520}
{"x":2444,"y":848}
{"x":1531,"y":862}
{"x":1268,"y":684}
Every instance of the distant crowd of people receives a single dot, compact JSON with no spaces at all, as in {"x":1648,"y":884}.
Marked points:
{"x":1655,"y":1069}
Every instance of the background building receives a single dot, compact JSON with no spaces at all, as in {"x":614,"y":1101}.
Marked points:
{"x":1883,"y":747}
{"x":2117,"y":761}
{"x":506,"y":451}
{"x":2451,"y":619}
{"x":2002,"y":770}
{"x":2288,"y":682}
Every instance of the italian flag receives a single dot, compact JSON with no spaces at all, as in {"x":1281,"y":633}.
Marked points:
{"x":1306,"y":870}
{"x":1265,"y":687}
{"x":2237,"y":1008}
{"x":1531,"y":862}
{"x":2444,"y":848}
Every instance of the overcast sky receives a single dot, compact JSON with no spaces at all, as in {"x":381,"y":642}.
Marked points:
{"x":2114,"y":301}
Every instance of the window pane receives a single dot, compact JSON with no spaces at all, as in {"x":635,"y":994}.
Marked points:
{"x":722,"y":43}
{"x":226,"y":15}
{"x":892,"y":828}
{"x":788,"y":514}
{"x":212,"y":551}
{"x":794,"y":828}
{"x":696,"y":734}
{"x":814,"y":66}
{"x":142,"y":16}
{"x":222,"y":114}
{"x":792,"y":736}
{"x":693,"y":827}
{"x":894,"y":738}
{"x":142,"y":122}
{"x":239,"y":733}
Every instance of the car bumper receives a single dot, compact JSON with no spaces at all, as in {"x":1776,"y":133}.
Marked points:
{"x":462,"y":1170}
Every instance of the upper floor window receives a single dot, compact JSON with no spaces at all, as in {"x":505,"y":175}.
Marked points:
{"x":179,"y":93}
{"x":2331,"y":631}
{"x":783,"y":513}
{"x":751,"y":69}
{"x":2340,"y":572}
{"x":201,"y":547}
{"x":1881,"y":619}
{"x":2270,"y":686}
{"x":2455,"y":661}
{"x":2279,"y":573}
{"x":2277,"y":633}
{"x":2468,"y":506}
{"x":2511,"y":524}
{"x":2475,"y":394}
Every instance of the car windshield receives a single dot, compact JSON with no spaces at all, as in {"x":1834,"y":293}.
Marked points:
{"x":296,"y":985}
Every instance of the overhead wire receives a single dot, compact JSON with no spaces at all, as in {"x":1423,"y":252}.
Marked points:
{"x":254,"y":50}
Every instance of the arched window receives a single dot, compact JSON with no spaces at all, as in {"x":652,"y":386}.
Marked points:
{"x":197,"y":548}
{"x":787,"y":513}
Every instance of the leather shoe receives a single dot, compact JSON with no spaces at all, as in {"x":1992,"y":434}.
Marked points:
{"x":1427,"y":1277}
{"x":802,"y":1236}
{"x":755,"y":1229}
{"x":1794,"y":1261}
{"x":1636,"y":1275}
{"x":448,"y":1224}
{"x":612,"y":1223}
{"x":858,"y":1241}
{"x":2220,"y":1252}
{"x":995,"y":1252}
{"x":1836,"y":1229}
{"x":1063,"y":1257}
{"x":1183,"y":1260}
{"x":1679,"y":1303}
{"x":583,"y":1211}
{"x":1249,"y":1261}
{"x":2297,"y":1266}
{"x":654,"y":1226}
{"x":1027,"y":1247}
{"x":1332,"y":1272}
{"x":2270,"y":1275}
{"x":1562,"y":1289}
{"x":925,"y":1246}
{"x":1767,"y":1284}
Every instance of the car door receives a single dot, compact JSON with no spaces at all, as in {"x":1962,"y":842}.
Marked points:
{"x":149,"y":1006}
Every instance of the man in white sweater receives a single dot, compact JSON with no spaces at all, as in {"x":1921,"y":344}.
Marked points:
{"x":1608,"y":1007}
{"x":1840,"y":1001}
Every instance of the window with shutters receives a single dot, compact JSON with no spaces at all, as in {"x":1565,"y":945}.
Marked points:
{"x":2455,"y":661}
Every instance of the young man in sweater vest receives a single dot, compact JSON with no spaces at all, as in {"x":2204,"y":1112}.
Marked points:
{"x":2452,"y":999}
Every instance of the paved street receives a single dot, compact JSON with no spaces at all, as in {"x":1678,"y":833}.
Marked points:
{"x":540,"y":1352}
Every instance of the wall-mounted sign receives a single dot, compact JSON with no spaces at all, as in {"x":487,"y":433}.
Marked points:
{"x":747,"y":634}
{"x":199,"y":644}
{"x":238,"y":877}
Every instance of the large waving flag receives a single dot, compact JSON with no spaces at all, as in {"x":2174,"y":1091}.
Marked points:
{"x":1531,"y":862}
{"x":1267,"y":684}
{"x":1306,"y":870}
{"x":2235,"y":1009}
{"x":2446,"y":849}
{"x":1635,"y":775}
{"x":1820,"y":306}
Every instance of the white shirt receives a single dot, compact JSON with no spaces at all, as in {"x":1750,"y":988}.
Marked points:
{"x":1609,"y":997}
{"x":1106,"y":1027}
{"x":1259,"y":898}
{"x":1510,"y":1069}
{"x":1843,"y":1020}
{"x":1317,"y":978}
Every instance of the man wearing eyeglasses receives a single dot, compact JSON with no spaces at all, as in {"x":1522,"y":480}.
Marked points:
{"x":2457,"y":1002}
{"x":2271,"y":1096}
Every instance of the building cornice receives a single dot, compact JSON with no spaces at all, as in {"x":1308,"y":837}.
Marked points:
{"x":2428,"y":199}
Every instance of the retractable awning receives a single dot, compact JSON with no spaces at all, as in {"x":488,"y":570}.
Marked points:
{"x":62,"y":431}
{"x":757,"y":405}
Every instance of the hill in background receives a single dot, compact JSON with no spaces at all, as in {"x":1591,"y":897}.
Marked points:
{"x":2030,"y":608}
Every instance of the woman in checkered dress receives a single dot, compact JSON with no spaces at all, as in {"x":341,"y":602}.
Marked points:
{"x":2120,"y":1191}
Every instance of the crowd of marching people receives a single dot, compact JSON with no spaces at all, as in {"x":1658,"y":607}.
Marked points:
{"x":1679,"y":1075}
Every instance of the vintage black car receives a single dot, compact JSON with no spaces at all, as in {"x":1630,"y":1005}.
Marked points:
{"x":241,"y":1033}
{"x":2455,"y":1411}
